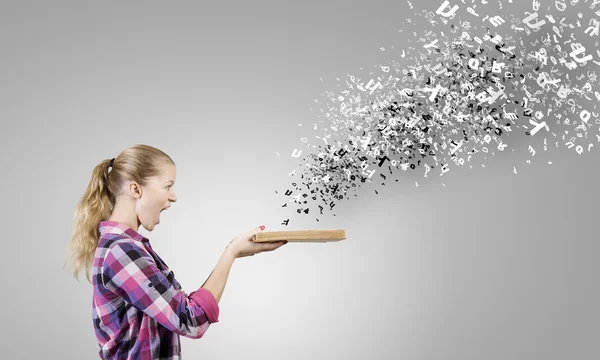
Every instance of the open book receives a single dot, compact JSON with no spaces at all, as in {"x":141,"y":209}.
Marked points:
{"x":300,"y":236}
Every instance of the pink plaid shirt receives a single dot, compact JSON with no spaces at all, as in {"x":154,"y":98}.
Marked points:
{"x":138,"y":308}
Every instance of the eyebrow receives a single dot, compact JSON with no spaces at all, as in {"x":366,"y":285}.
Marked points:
{"x":170,"y":181}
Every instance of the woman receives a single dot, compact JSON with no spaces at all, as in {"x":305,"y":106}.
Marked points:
{"x":139,"y":309}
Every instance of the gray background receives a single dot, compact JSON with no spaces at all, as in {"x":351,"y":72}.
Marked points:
{"x":494,"y":265}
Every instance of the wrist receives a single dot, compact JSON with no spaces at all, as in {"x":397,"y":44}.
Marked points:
{"x":229,"y":253}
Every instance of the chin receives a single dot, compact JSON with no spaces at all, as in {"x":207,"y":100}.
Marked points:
{"x":150,"y":227}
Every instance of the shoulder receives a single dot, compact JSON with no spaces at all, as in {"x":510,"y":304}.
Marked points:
{"x":124,"y":250}
{"x":118,"y":242}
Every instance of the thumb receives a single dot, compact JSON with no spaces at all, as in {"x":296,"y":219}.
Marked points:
{"x":256,"y":230}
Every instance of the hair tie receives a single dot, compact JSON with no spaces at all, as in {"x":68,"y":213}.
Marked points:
{"x":111,"y":162}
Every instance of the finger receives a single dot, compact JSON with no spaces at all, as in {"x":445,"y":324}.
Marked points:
{"x":256,"y":230}
{"x":275,"y":245}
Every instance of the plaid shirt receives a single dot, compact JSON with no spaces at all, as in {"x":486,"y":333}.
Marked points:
{"x":139,"y":309}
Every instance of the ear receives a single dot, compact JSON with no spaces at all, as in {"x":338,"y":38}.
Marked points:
{"x":135,"y":190}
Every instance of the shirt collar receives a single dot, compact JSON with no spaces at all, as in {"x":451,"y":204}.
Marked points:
{"x":114,"y":227}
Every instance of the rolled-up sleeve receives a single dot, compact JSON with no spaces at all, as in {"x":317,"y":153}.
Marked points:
{"x":207,"y":302}
{"x":131,"y":273}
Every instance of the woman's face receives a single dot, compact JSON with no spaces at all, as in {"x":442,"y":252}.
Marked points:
{"x":157,"y":195}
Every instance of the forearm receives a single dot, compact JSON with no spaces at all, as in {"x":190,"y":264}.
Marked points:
{"x":218,"y":277}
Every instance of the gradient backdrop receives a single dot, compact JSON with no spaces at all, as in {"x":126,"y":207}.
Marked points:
{"x":494,"y":265}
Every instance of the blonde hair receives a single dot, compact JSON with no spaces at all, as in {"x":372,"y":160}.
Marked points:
{"x":137,"y":163}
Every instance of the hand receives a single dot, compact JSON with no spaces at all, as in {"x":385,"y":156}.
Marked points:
{"x":242,"y":245}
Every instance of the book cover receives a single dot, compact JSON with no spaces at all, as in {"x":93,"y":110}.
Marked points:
{"x":300,"y":236}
